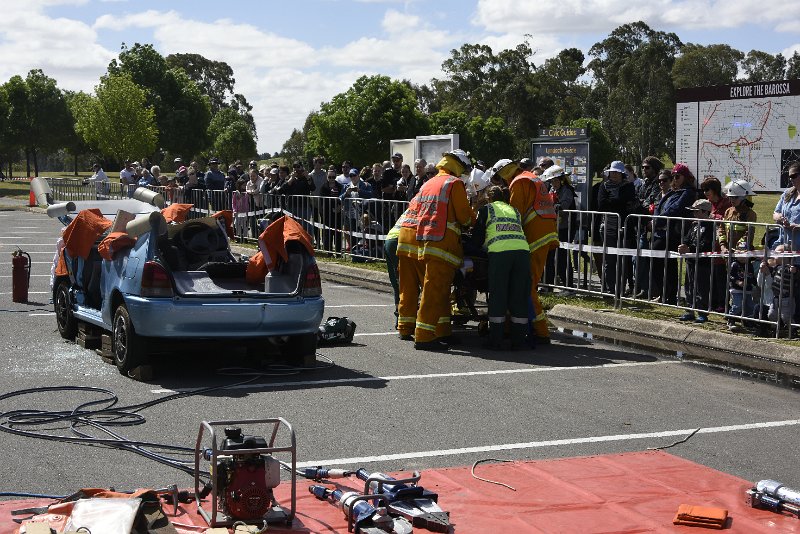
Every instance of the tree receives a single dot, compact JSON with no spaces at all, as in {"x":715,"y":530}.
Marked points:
{"x":489,"y":139}
{"x":221,"y":127}
{"x":214,"y":78}
{"x":481,"y":83}
{"x":633,"y":92}
{"x":359,"y":123}
{"x":235,"y":142}
{"x":75,"y":143}
{"x":117,"y":120}
{"x":182,"y":112}
{"x":793,"y":67}
{"x":561,"y":92}
{"x":760,"y":66}
{"x":703,"y":66}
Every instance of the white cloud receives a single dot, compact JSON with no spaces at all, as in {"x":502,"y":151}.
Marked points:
{"x":396,"y":22}
{"x":788,"y":52}
{"x":563,"y":16}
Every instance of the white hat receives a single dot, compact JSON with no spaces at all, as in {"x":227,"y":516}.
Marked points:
{"x":478,"y":180}
{"x":617,"y":166}
{"x":553,"y":171}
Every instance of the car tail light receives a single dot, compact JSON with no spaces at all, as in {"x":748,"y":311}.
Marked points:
{"x":312,"y":285}
{"x":156,"y":280}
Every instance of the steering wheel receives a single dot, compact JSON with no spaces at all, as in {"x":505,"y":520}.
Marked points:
{"x":199,"y":239}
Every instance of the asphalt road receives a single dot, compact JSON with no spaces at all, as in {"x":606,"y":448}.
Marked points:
{"x":383,"y":404}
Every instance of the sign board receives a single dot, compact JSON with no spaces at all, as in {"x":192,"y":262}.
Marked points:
{"x":571,"y":155}
{"x":407,"y":147}
{"x":747,"y":130}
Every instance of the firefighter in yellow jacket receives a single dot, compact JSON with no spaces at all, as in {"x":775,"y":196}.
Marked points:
{"x":429,"y":251}
{"x":530,"y":196}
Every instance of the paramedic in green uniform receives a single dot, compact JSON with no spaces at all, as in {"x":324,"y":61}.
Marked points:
{"x":499,"y":231}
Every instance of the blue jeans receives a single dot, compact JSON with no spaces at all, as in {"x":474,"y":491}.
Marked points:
{"x":739,"y":300}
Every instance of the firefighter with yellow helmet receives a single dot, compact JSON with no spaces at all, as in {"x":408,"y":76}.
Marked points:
{"x":530,"y":196}
{"x":429,"y":251}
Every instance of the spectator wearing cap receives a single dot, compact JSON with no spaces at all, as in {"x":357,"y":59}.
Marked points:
{"x":344,"y":178}
{"x":667,"y":235}
{"x":177,"y":163}
{"x":214,"y":178}
{"x":616,"y":195}
{"x":526,"y":164}
{"x":397,"y":161}
{"x":698,"y":240}
{"x":648,"y":195}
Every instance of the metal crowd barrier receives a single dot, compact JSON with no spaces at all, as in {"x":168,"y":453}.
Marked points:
{"x":599,"y":254}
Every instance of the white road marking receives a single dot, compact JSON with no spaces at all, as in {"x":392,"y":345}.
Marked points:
{"x":41,"y":314}
{"x":32,"y":293}
{"x":24,"y":237}
{"x":52,"y":244}
{"x":33,"y":252}
{"x":548,"y":443}
{"x":345,"y":381}
{"x":375,"y":333}
{"x":10,"y":275}
{"x":360,"y":306}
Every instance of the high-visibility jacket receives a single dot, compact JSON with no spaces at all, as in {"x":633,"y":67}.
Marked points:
{"x":504,"y":229}
{"x":529,"y":196}
{"x":394,"y":233}
{"x":458,"y":213}
{"x":427,"y":211}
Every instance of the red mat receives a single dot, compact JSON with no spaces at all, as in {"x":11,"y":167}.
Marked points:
{"x":621,"y":493}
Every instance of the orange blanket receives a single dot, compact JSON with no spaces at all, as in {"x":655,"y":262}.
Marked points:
{"x":228,"y":216}
{"x":176,"y":213}
{"x":113,"y":243}
{"x":83,"y":231}
{"x":273,"y":239}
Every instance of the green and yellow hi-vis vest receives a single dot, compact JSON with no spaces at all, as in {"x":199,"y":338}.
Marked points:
{"x":504,"y":229}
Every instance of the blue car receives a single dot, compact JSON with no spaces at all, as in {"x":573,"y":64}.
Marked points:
{"x":181,"y":282}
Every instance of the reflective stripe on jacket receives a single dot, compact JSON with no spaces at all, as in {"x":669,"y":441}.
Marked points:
{"x":542,"y":204}
{"x":427,"y":211}
{"x":504,"y":229}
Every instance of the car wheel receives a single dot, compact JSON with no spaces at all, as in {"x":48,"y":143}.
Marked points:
{"x":129,"y":348}
{"x":67,"y":324}
{"x":301,"y":350}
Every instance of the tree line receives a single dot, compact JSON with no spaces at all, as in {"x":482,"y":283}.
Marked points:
{"x":622,"y":89}
{"x":145,"y":105}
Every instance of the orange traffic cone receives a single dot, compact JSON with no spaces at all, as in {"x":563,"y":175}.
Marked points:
{"x":32,"y":198}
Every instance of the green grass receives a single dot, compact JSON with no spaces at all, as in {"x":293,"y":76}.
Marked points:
{"x":18,"y":190}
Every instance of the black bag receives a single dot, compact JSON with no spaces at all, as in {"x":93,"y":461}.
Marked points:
{"x":336,"y":330}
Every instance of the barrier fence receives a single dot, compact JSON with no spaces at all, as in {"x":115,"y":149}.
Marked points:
{"x":638,"y":259}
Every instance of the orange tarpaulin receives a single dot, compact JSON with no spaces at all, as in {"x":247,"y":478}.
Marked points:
{"x":83,"y":231}
{"x":256,"y":269}
{"x":176,"y":213}
{"x":113,"y":243}
{"x":272,"y":241}
{"x":227,"y":215}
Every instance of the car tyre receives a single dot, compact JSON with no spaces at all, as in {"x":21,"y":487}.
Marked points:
{"x":67,"y":324}
{"x":301,"y":350}
{"x":129,"y":348}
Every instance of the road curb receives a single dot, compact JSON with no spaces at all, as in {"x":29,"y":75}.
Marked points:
{"x":732,"y":349}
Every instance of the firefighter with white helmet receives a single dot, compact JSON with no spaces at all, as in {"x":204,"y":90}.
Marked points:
{"x":531,"y":197}
{"x":730,"y":235}
{"x":429,"y":251}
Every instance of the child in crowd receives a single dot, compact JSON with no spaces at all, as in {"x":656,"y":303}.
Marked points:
{"x":240,"y":204}
{"x":784,"y":286}
{"x":699,"y":239}
{"x":741,"y":283}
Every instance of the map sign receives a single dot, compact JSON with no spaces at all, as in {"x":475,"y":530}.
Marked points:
{"x":745,"y":131}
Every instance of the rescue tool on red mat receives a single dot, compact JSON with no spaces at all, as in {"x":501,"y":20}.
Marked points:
{"x":774,"y":496}
{"x":403,"y":497}
{"x":362,"y":517}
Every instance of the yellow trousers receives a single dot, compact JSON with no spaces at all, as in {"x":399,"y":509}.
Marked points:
{"x":538,"y":261}
{"x":428,"y":315}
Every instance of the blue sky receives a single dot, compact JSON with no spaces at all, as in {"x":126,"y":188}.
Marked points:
{"x":289,"y":56}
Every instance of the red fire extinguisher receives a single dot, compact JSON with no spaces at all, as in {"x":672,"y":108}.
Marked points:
{"x":20,"y":275}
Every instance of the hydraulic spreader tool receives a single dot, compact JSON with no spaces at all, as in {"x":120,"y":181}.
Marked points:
{"x":403,"y":497}
{"x":362,"y":517}
{"x":774,"y":496}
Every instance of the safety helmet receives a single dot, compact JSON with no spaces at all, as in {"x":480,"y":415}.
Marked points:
{"x":553,"y":171}
{"x":478,"y":181}
{"x":505,"y":168}
{"x":739,"y":188}
{"x":462,"y":158}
